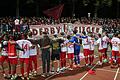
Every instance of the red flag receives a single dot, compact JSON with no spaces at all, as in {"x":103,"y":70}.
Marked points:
{"x":54,"y":12}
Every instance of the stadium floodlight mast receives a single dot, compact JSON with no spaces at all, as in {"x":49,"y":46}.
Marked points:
{"x":17,"y":8}
{"x":118,"y":8}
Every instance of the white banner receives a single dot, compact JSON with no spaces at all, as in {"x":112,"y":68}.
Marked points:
{"x":65,"y":27}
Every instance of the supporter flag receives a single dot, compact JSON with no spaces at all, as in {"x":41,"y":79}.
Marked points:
{"x":54,"y":12}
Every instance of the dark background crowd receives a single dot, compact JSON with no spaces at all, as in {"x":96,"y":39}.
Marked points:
{"x":7,"y":24}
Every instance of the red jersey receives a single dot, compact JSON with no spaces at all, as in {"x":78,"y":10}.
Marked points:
{"x":12,"y":49}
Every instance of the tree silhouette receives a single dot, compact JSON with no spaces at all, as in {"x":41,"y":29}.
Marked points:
{"x":97,"y":4}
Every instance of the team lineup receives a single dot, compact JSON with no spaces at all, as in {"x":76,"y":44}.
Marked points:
{"x":60,"y":48}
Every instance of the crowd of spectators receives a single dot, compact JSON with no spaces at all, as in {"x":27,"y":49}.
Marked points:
{"x":109,"y":25}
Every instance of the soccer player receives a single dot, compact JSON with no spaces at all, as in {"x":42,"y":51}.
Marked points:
{"x":70,"y":52}
{"x":76,"y":39}
{"x":106,"y":40}
{"x":100,"y":49}
{"x":86,"y":47}
{"x":92,"y":47}
{"x":12,"y":55}
{"x":115,"y":50}
{"x":33,"y":58}
{"x":24,"y":56}
{"x":4,"y":56}
{"x":63,"y":52}
{"x":34,"y":51}
{"x":55,"y":57}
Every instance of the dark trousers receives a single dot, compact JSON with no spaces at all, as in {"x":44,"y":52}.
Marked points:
{"x":76,"y":57}
{"x":46,"y":60}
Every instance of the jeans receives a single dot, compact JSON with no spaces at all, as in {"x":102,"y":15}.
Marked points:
{"x":45,"y":60}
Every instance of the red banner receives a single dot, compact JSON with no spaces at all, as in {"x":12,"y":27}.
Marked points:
{"x":54,"y":12}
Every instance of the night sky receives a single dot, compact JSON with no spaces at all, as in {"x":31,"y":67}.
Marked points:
{"x":8,"y":8}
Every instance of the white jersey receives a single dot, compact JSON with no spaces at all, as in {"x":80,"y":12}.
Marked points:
{"x":92,"y":44}
{"x":70,"y":48}
{"x":4,"y":51}
{"x":33,"y":51}
{"x":100,"y":42}
{"x":85,"y":43}
{"x":24,"y":44}
{"x":63,"y":46}
{"x":17,"y":22}
{"x":105,"y":41}
{"x":115,"y":43}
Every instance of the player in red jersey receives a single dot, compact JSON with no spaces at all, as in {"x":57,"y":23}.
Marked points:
{"x":12,"y":55}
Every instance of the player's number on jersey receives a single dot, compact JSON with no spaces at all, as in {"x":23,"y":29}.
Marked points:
{"x":115,"y":43}
{"x":25,"y":47}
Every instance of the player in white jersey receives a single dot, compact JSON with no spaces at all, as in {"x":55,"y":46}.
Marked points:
{"x":115,"y":50}
{"x":33,"y":57}
{"x":100,"y":49}
{"x":24,"y":56}
{"x":86,"y":47}
{"x":92,"y":47}
{"x":63,"y":53}
{"x":70,"y":53}
{"x":4,"y":56}
{"x":106,"y":40}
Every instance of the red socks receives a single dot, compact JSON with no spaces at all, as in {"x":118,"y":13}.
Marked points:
{"x":86,"y":60}
{"x":22,"y":71}
{"x":35,"y":65}
{"x":100,"y":58}
{"x":63,"y":63}
{"x":91,"y":58}
{"x":118,"y":60}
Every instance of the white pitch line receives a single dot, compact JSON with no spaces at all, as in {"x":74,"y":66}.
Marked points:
{"x":107,"y":70}
{"x":87,"y":72}
{"x":116,"y":74}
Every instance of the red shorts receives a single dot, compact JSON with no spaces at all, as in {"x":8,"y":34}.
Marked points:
{"x":24,"y":60}
{"x":101,"y":50}
{"x":62,"y":55}
{"x":115,"y":53}
{"x":105,"y":50}
{"x":70,"y":55}
{"x":91,"y":52}
{"x":86,"y":52}
{"x":33,"y":58}
{"x":3,"y":58}
{"x":13,"y":60}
